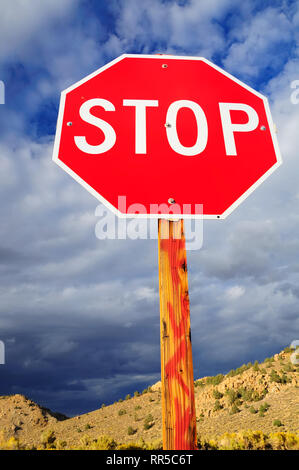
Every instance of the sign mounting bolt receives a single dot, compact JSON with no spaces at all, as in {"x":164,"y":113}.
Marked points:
{"x":263,"y":128}
{"x":164,"y":66}
{"x":171,"y":200}
{"x":69,"y":123}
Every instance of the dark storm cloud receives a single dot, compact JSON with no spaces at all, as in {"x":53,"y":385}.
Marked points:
{"x":80,"y":316}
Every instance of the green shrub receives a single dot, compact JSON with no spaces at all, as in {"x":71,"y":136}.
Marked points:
{"x":217,"y":406}
{"x":234,"y":409}
{"x":277,"y":423}
{"x":130,"y":446}
{"x":251,"y":440}
{"x":216,"y":380}
{"x":239,"y":370}
{"x":269,"y":359}
{"x":231,"y":373}
{"x":136,"y":394}
{"x":217,"y":395}
{"x":131,"y":431}
{"x":285,"y":379}
{"x":147,"y":425}
{"x":284,"y":441}
{"x":87,"y":426}
{"x":103,"y":443}
{"x":288,"y":368}
{"x":61,"y":444}
{"x":128,"y":397}
{"x":242,"y":369}
{"x":257,"y":397}
{"x":246,"y":393}
{"x":243,"y":440}
{"x":148,"y":422}
{"x":48,"y":439}
{"x":264,"y":407}
{"x":122,"y":412}
{"x":138,"y":407}
{"x":275,"y":377}
{"x":256,"y":366}
{"x":252,"y":410}
{"x":232,"y":395}
{"x":199,"y":383}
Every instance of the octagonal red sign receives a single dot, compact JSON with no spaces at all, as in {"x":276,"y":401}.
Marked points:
{"x":149,"y":135}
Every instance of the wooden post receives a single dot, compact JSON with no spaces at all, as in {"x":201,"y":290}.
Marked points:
{"x":178,"y":405}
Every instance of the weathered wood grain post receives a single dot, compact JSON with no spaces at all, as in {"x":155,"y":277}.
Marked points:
{"x":178,"y":405}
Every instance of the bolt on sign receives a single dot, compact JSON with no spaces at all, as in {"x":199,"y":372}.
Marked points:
{"x":167,"y":137}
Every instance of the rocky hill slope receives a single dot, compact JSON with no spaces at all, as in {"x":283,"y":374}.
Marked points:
{"x":255,"y":396}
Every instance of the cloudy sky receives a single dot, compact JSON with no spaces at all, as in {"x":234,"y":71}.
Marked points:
{"x":79,"y":316}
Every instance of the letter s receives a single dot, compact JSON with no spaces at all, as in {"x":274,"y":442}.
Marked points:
{"x":110,"y":136}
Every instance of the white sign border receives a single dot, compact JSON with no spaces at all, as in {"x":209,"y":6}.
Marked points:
{"x":92,"y":191}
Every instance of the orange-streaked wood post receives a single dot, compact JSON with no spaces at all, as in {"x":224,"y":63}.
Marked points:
{"x":178,"y":405}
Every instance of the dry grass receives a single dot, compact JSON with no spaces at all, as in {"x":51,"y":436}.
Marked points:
{"x":246,"y":440}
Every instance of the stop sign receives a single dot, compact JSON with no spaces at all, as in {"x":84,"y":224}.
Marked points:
{"x":148,"y":135}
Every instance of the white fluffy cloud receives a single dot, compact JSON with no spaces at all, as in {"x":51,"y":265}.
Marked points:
{"x":262,"y":42}
{"x":22,"y":21}
{"x":172,"y":26}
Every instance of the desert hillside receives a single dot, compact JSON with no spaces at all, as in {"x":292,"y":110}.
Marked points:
{"x":262,"y":397}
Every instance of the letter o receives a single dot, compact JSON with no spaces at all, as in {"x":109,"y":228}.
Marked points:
{"x":202,"y":128}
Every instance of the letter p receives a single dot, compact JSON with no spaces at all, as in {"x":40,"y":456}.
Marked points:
{"x":229,"y":128}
